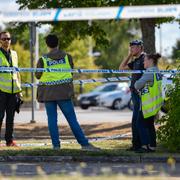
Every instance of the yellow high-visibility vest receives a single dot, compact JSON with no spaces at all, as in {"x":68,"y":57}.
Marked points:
{"x":151,"y":97}
{"x":9,"y":81}
{"x":56,"y":77}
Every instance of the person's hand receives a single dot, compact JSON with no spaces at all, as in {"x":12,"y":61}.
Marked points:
{"x":20,"y":95}
{"x":130,"y":54}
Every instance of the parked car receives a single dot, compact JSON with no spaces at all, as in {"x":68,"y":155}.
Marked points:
{"x":116,"y":100}
{"x":89,"y":99}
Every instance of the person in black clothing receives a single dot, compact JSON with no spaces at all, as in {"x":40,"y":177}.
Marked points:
{"x":134,"y":61}
{"x":9,"y":87}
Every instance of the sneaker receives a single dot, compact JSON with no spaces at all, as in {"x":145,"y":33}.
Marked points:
{"x":12,"y":144}
{"x":90,"y":147}
{"x":56,"y":148}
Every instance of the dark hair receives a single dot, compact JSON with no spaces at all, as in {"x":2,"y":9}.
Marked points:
{"x":52,"y":40}
{"x":136,"y":42}
{"x":155,"y":57}
{"x":4,"y":32}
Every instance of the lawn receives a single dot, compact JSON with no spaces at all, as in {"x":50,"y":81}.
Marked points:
{"x":108,"y":148}
{"x":34,"y":140}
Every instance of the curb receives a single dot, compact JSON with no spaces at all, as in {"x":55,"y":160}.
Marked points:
{"x":103,"y":159}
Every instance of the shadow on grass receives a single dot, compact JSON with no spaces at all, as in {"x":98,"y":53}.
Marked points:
{"x":62,"y":152}
{"x":109,"y":148}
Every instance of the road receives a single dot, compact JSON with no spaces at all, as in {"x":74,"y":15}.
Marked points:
{"x":89,"y":169}
{"x":89,"y":116}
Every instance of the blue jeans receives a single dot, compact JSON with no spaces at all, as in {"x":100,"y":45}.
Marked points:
{"x":67,"y":109}
{"x":135,"y":129}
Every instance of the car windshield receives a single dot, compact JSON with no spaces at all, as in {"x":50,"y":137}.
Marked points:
{"x":105,"y":88}
{"x":120,"y":88}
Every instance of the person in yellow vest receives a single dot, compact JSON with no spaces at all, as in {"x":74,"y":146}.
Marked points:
{"x":56,"y":89}
{"x":150,"y":87}
{"x":10,"y":87}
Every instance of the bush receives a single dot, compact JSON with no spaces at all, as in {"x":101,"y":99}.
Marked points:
{"x":169,"y":130}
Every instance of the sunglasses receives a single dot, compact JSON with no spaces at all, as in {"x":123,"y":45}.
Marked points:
{"x":6,"y":39}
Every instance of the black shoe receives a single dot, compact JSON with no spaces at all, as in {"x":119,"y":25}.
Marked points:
{"x":142,"y":150}
{"x":151,"y":150}
{"x":132,"y":148}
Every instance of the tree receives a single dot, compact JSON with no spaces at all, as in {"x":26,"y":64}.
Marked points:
{"x":119,"y":34}
{"x":169,"y":131}
{"x":70,"y":30}
{"x":23,"y":60}
{"x":176,"y":51}
{"x":20,"y":34}
{"x":79,"y":51}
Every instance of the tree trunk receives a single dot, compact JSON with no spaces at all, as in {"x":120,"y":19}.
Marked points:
{"x":148,"y":34}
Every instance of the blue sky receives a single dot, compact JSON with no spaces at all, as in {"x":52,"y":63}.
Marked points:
{"x":170,"y":32}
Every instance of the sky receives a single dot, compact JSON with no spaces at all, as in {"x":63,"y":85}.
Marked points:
{"x":166,"y":36}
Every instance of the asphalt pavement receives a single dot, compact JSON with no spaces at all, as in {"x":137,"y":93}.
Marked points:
{"x":90,"y":169}
{"x":90,"y":116}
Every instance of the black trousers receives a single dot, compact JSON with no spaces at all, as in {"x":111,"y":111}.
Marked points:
{"x":8,"y":104}
{"x":147,"y":131}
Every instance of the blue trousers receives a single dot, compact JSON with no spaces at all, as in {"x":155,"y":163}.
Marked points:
{"x":67,"y":109}
{"x":136,"y":143}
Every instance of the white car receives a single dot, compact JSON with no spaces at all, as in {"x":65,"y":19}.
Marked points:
{"x":167,"y":83}
{"x":89,"y":99}
{"x":117,"y":99}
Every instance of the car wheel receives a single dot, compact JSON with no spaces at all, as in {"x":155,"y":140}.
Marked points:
{"x":117,"y":104}
{"x":84,"y":106}
{"x":130,"y":105}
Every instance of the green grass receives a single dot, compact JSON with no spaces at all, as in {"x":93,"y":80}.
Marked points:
{"x":108,"y":148}
{"x":74,"y":149}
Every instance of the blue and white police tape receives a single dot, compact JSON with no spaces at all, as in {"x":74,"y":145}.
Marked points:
{"x":83,"y":81}
{"x":15,"y":69}
{"x":91,"y":13}
{"x":99,"y":139}
{"x":86,"y":81}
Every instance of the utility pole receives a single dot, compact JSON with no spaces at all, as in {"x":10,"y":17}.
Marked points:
{"x":32,"y":40}
{"x":37,"y":57}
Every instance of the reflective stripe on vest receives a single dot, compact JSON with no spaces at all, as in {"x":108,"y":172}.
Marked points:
{"x":152,"y":111}
{"x":16,"y":89}
{"x":4,"y":80}
{"x":7,"y":79}
{"x":51,"y":78}
{"x":152,"y":99}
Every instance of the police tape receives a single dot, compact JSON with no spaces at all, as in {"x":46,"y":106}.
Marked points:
{"x":87,"y":81}
{"x":95,"y":139}
{"x":91,"y":13}
{"x":108,"y":71}
{"x":82,"y":81}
